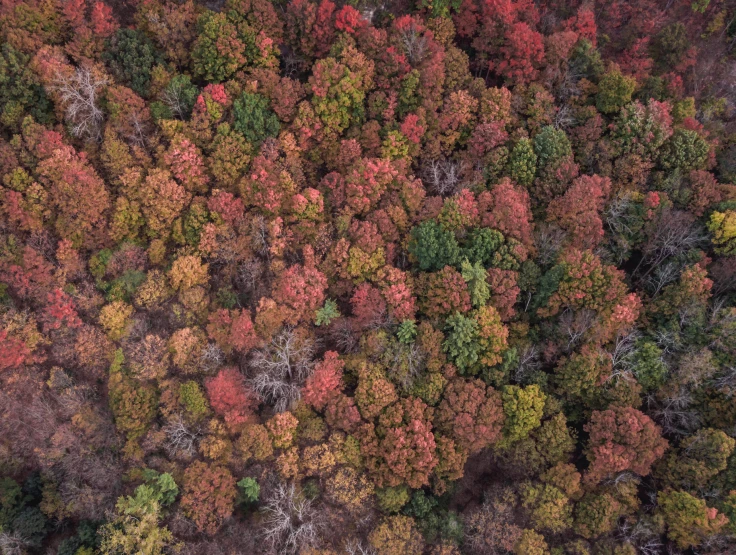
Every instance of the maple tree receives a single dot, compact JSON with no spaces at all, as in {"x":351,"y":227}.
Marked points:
{"x":208,"y":494}
{"x":622,"y":439}
{"x":229,"y":396}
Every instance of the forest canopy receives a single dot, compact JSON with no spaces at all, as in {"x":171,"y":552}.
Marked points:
{"x":453,"y":277}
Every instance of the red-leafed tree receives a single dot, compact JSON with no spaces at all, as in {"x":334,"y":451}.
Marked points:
{"x":232,"y":329}
{"x":341,"y":412}
{"x":507,"y":208}
{"x":208,"y":495}
{"x":396,"y":289}
{"x":230,"y":397}
{"x":185,"y":162}
{"x":471,"y":414}
{"x":705,"y":191}
{"x":622,"y":438}
{"x":326,"y":379}
{"x":443,"y":293}
{"x":60,"y":311}
{"x":226,"y":205}
{"x":102,"y":21}
{"x":369,"y":307}
{"x":13,"y":351}
{"x":522,"y":54}
{"x":578,"y":210}
{"x":300,"y":290}
{"x":402,"y":448}
{"x":269,"y":187}
{"x":78,"y":194}
{"x":504,"y":291}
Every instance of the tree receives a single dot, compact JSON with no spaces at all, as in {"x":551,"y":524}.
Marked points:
{"x":396,"y":535}
{"x":433,"y":246}
{"x":208,"y":495}
{"x":301,"y":291}
{"x":531,"y":543}
{"x":323,"y":316}
{"x":338,"y":87}
{"x":476,"y":341}
{"x":136,"y":528}
{"x":578,"y":210}
{"x":698,"y":459}
{"x":187,"y":272}
{"x":550,"y":509}
{"x":581,"y":375}
{"x":481,"y":245}
{"x":230,"y":397}
{"x":282,"y":429}
{"x":475,"y":276}
{"x":268,"y":186}
{"x":180,"y":95}
{"x":78,"y":194}
{"x":471,"y":414}
{"x":523,"y":408}
{"x":253,"y":119}
{"x":685,"y":149}
{"x":374,"y":391}
{"x":218,"y":52}
{"x":13,"y":351}
{"x":233,"y":329}
{"x":402,"y":448}
{"x":133,"y":404}
{"x":523,"y":162}
{"x":326,"y":379}
{"x":60,"y":311}
{"x":723,"y":227}
{"x":131,"y":56}
{"x":186,"y":164}
{"x":522,"y":53}
{"x":622,"y":438}
{"x":507,"y":208}
{"x":551,"y":145}
{"x":445,"y":293}
{"x":688,"y":519}
{"x":614,"y":91}
{"x":596,"y":514}
{"x":20,"y":89}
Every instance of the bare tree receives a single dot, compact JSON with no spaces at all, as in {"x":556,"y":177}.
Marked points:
{"x":675,"y":413}
{"x":549,"y":240}
{"x":281,"y":368}
{"x":442,"y":176}
{"x":622,"y":354}
{"x":291,"y":522}
{"x":405,"y":363}
{"x":79,"y":93}
{"x":618,"y":215}
{"x":343,"y":333}
{"x":641,"y":534}
{"x":356,"y":547}
{"x":259,"y":236}
{"x":576,"y":323}
{"x":663,"y":275}
{"x":173,"y":97}
{"x":414,"y":43}
{"x":528,"y":363}
{"x":675,"y":233}
{"x":211,"y":358}
{"x":180,"y":439}
{"x":12,"y":544}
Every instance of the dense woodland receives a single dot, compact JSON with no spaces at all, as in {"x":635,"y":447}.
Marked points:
{"x":303,"y":278}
